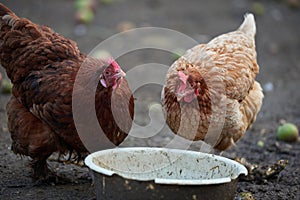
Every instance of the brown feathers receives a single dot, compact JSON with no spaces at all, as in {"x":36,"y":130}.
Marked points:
{"x":222,"y":76}
{"x":43,"y":67}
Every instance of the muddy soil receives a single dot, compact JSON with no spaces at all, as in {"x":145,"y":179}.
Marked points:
{"x":278,"y":47}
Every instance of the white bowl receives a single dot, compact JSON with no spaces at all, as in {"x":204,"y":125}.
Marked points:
{"x":159,"y":173}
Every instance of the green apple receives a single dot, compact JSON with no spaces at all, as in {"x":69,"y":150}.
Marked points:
{"x":178,"y":53}
{"x":287,"y":132}
{"x":80,"y":4}
{"x":258,"y":8}
{"x":85,"y":15}
{"x":106,"y":2}
{"x":6,"y":87}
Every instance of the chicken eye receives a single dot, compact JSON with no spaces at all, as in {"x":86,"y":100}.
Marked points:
{"x":107,"y":73}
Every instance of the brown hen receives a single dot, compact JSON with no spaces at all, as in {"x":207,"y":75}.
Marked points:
{"x":210,"y":92}
{"x":43,"y":66}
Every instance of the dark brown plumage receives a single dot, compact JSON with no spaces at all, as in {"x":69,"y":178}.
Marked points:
{"x":43,"y":66}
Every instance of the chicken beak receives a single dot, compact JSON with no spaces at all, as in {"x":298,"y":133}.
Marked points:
{"x":179,"y":97}
{"x":120,"y":74}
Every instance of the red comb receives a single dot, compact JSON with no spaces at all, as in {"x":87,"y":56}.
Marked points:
{"x":113,"y":63}
{"x":182,"y":76}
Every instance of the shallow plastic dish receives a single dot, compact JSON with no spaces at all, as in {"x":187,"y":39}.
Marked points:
{"x":159,"y":173}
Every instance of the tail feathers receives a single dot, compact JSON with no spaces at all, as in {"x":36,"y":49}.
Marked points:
{"x":4,"y":10}
{"x":7,"y":16}
{"x":248,"y":26}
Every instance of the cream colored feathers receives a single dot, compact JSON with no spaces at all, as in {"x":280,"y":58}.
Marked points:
{"x":221,"y":77}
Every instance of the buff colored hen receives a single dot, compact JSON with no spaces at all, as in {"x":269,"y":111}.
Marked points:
{"x":210,"y":92}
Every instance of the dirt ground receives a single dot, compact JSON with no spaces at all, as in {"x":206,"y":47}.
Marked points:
{"x":278,"y":47}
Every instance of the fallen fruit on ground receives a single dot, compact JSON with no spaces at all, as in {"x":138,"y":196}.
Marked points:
{"x":288,"y":132}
